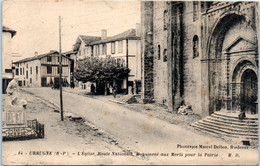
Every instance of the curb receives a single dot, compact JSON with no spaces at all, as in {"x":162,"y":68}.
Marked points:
{"x":115,"y":101}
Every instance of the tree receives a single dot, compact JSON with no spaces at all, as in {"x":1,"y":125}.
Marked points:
{"x":100,"y":70}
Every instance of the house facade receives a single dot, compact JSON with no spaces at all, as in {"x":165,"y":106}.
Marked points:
{"x":42,"y":70}
{"x":125,"y":48}
{"x":202,"y":54}
{"x":7,"y":75}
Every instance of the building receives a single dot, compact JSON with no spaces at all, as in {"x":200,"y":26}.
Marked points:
{"x":73,"y":58}
{"x":7,"y":35}
{"x":202,"y":54}
{"x":42,"y":70}
{"x":125,"y":47}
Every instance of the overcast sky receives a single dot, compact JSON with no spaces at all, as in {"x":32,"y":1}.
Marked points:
{"x":37,"y":26}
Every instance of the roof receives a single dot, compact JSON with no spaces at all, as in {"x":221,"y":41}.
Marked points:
{"x":89,"y":39}
{"x":86,"y":39}
{"x":92,"y":40}
{"x":6,"y":29}
{"x":69,"y":53}
{"x":39,"y":57}
{"x":129,"y":34}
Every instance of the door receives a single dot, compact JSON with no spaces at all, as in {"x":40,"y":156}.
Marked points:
{"x":44,"y":82}
{"x":249,"y":92}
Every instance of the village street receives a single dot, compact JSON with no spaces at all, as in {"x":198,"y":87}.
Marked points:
{"x":137,"y":132}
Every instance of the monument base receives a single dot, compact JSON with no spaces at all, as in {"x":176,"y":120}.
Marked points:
{"x":32,"y":129}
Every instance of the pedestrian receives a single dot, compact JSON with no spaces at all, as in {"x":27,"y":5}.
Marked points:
{"x":72,"y":85}
{"x":92,"y":89}
{"x":114,"y":92}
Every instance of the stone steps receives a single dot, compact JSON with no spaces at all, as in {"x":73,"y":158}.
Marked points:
{"x":225,"y":124}
{"x":230,"y":122}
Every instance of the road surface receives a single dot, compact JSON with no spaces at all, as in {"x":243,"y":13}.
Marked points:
{"x":145,"y":134}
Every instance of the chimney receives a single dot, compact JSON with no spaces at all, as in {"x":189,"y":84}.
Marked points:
{"x":36,"y":54}
{"x":138,"y":29}
{"x":103,"y":34}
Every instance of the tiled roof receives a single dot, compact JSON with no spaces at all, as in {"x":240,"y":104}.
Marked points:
{"x":129,"y":34}
{"x":87,"y":40}
{"x":39,"y":57}
{"x":6,"y":29}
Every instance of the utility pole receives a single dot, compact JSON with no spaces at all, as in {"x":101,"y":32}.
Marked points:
{"x":60,"y":71}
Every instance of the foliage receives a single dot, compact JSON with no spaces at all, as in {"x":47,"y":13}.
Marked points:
{"x":100,"y":70}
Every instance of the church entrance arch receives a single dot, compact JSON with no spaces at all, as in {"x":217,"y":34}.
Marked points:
{"x":231,"y":39}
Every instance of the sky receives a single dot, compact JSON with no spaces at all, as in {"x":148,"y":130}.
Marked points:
{"x":37,"y":22}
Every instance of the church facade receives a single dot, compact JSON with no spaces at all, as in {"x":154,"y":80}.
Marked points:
{"x":201,"y":54}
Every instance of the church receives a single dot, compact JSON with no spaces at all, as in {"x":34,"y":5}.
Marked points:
{"x":202,"y":54}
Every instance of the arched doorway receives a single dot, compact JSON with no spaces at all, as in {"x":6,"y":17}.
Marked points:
{"x":231,"y":39}
{"x":249,"y":91}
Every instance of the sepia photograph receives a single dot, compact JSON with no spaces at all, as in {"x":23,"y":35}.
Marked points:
{"x":132,"y":82}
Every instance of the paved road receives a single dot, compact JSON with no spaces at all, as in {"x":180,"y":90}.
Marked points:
{"x":143,"y":133}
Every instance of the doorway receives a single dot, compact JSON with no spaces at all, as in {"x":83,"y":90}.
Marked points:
{"x":249,"y":92}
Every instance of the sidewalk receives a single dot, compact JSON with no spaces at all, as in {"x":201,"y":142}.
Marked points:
{"x":151,"y":110}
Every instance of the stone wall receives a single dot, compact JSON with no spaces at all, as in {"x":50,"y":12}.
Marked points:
{"x":147,"y":51}
{"x":197,"y":70}
{"x":160,"y":45}
{"x":191,"y":63}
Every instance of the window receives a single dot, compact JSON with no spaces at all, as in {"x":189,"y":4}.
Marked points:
{"x":59,"y":70}
{"x":112,"y":47}
{"x":104,"y":49}
{"x":92,"y":51}
{"x":30,"y":80}
{"x":21,"y":71}
{"x":165,"y":55}
{"x":17,"y":71}
{"x":98,"y":49}
{"x":195,"y":10}
{"x":120,"y":46}
{"x":26,"y":74}
{"x":49,"y":58}
{"x":59,"y":59}
{"x":49,"y":70}
{"x":96,"y":52}
{"x":36,"y":70}
{"x":195,"y":46}
{"x":165,"y":20}
{"x":159,"y":52}
{"x":26,"y":66}
{"x":30,"y":70}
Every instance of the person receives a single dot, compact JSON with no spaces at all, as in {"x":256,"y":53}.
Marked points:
{"x":242,"y":115}
{"x":92,"y":89}
{"x":114,"y":92}
{"x":12,"y":90}
{"x":72,"y":85}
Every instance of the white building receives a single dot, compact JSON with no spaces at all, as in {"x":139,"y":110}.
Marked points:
{"x":125,"y":47}
{"x":7,"y":35}
{"x":42,"y":70}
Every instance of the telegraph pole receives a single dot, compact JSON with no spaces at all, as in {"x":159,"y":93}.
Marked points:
{"x":60,"y":71}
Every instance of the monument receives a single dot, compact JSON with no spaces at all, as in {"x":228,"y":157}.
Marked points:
{"x":14,"y":116}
